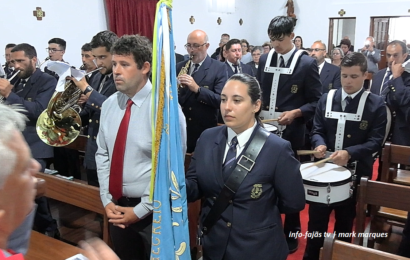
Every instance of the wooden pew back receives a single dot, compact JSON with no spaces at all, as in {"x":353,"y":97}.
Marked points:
{"x":379,"y":194}
{"x":338,"y":250}
{"x":78,"y":194}
{"x":393,"y":155}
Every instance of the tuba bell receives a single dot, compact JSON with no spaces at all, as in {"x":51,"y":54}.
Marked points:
{"x":60,"y":124}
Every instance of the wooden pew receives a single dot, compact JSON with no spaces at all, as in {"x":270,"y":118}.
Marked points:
{"x":338,"y":250}
{"x":391,"y":157}
{"x":78,"y":194}
{"x":79,"y":143}
{"x":43,"y":247}
{"x":393,"y":196}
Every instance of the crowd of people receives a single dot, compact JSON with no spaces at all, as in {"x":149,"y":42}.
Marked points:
{"x":241,"y":86}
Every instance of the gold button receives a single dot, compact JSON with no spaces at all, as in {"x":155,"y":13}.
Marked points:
{"x":276,"y":108}
{"x":95,"y":137}
{"x":189,"y":119}
{"x":90,"y":120}
{"x":190,"y":108}
{"x":230,"y":201}
{"x":267,"y":107}
{"x":214,"y":198}
{"x":228,"y":224}
{"x":96,"y":106}
{"x":88,"y":136}
{"x":96,"y":121}
{"x":348,"y":136}
{"x":92,"y":104}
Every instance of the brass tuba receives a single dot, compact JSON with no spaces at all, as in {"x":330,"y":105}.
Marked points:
{"x":184,"y":70}
{"x":60,"y":124}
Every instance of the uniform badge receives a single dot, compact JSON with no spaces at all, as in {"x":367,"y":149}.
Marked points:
{"x":206,"y":87}
{"x":363,"y":125}
{"x":330,"y":85}
{"x":256,"y":191}
{"x":294,"y":89}
{"x":29,"y":99}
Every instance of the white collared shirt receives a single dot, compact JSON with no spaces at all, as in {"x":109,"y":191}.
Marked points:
{"x":231,"y":64}
{"x":320,"y":67}
{"x":344,"y":95}
{"x":191,"y":69}
{"x":286,"y":56}
{"x":243,"y":138}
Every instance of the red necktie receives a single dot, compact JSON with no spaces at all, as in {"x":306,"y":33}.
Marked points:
{"x":117,"y":161}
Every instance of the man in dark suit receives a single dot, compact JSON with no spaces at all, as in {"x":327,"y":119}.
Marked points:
{"x":296,"y":95}
{"x":202,"y":85}
{"x":350,"y":140}
{"x":8,"y":66}
{"x":33,"y":91}
{"x":393,"y":84}
{"x":233,"y":54}
{"x":56,"y":50}
{"x":101,"y":88}
{"x":329,"y":73}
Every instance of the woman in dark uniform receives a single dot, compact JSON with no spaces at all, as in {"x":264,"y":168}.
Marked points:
{"x":250,"y":225}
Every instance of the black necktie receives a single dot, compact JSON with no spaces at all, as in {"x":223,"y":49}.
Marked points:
{"x":282,"y":62}
{"x":236,"y":68}
{"x":230,"y":159}
{"x":195,"y":68}
{"x":102,"y":83}
{"x":348,"y":99}
{"x":20,"y":86}
{"x":385,"y":82}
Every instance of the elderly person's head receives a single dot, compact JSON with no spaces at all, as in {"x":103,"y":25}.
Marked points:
{"x":17,"y":185}
{"x":257,"y":51}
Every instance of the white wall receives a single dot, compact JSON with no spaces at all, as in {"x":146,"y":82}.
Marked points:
{"x":73,"y":20}
{"x":77,"y":21}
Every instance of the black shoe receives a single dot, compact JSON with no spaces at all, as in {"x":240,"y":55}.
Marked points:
{"x":293,"y":244}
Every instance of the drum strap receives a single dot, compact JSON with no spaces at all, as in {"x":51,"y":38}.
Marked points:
{"x":242,"y":168}
{"x":343,"y":117}
{"x":277,"y":71}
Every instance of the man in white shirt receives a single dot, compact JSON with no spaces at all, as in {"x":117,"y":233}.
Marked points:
{"x":124,"y":149}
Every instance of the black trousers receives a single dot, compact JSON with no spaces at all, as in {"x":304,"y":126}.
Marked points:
{"x":67,"y":162}
{"x":404,"y":248}
{"x":92,"y":177}
{"x":43,"y":220}
{"x":318,"y":222}
{"x":134,"y":241}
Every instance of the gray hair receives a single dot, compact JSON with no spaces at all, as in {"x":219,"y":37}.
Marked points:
{"x":340,"y":51}
{"x":257,"y":48}
{"x":11,"y":119}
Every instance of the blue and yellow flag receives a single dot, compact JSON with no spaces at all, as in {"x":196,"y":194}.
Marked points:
{"x":170,"y":235}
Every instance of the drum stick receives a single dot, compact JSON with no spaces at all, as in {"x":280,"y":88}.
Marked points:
{"x":269,"y":120}
{"x":15,"y":74}
{"x":319,"y":162}
{"x":306,"y":152}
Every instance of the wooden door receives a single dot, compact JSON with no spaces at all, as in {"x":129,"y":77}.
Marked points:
{"x":379,"y":29}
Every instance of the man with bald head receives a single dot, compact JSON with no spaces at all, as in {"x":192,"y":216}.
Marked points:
{"x":329,"y":73}
{"x":199,"y":95}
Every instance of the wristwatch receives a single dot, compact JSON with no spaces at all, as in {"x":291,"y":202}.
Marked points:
{"x":87,"y":89}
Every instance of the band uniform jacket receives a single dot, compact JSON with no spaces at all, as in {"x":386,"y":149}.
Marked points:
{"x":251,"y":226}
{"x":34,"y":98}
{"x":93,"y":110}
{"x":398,"y":100}
{"x":330,"y":77}
{"x":300,"y":90}
{"x":201,"y":110}
{"x":245,"y":69}
{"x":252,"y":64}
{"x":361,"y":138}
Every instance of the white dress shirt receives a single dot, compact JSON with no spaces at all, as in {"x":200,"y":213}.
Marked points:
{"x":243,"y":138}
{"x":286,"y":56}
{"x":344,"y":95}
{"x":137,"y":156}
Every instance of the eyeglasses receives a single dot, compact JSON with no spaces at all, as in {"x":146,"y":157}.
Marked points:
{"x":317,"y":49}
{"x":256,"y":54}
{"x":335,"y":53}
{"x":193,"y":46}
{"x":52,"y":50}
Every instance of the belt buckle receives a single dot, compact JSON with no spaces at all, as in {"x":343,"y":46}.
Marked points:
{"x":248,"y":168}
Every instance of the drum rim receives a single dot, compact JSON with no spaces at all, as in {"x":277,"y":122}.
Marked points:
{"x":325,"y":184}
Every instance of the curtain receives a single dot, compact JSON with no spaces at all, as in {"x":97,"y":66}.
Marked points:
{"x":131,"y":16}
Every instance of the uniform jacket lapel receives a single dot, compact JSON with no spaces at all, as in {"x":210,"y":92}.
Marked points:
{"x":217,"y":155}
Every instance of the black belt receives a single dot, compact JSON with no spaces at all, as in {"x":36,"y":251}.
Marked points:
{"x":128,"y":202}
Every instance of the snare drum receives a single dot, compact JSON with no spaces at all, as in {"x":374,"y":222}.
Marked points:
{"x":326,"y":183}
{"x":271,"y":128}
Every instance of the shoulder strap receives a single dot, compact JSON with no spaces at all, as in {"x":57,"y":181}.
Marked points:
{"x":243,"y":166}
